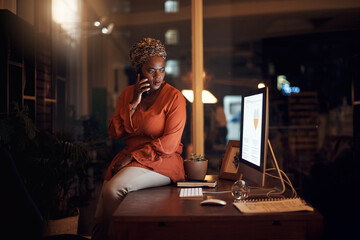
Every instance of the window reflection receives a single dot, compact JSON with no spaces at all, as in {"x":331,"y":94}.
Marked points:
{"x":133,"y":20}
{"x":171,"y":6}
{"x":172,"y":37}
{"x":248,"y":43}
{"x":253,"y":43}
{"x":172,"y":68}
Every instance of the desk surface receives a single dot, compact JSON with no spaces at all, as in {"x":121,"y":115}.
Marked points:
{"x":163,"y":204}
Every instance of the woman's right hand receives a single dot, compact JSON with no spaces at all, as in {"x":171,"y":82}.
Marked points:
{"x":141,"y":86}
{"x":121,"y":164}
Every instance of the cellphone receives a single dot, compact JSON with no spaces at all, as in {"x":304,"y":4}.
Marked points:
{"x":144,"y":94}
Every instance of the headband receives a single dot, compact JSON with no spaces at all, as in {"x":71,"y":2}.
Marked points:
{"x":145,"y":49}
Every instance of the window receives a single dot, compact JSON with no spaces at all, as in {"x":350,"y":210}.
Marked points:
{"x":172,"y":37}
{"x":172,"y":68}
{"x":171,"y":6}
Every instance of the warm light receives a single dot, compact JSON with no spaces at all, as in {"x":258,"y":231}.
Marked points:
{"x":104,"y":30}
{"x":188,"y":94}
{"x":97,"y":23}
{"x":108,"y":29}
{"x":261,"y":85}
{"x":207,"y":97}
{"x":65,"y":11}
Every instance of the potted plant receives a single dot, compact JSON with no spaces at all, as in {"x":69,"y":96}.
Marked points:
{"x":49,"y":165}
{"x":195,"y":167}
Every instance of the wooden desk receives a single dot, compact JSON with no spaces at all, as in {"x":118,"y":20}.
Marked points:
{"x":159,"y":213}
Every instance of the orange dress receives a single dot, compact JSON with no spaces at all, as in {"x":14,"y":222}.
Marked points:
{"x":152,"y":137}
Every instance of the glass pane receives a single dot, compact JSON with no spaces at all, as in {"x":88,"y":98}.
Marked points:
{"x":15,"y":87}
{"x":168,"y":21}
{"x":304,"y":55}
{"x":29,"y":64}
{"x":30,"y":104}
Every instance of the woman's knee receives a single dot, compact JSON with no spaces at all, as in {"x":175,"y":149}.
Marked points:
{"x":113,"y":192}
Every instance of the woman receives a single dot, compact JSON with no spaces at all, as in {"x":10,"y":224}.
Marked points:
{"x":151,"y":116}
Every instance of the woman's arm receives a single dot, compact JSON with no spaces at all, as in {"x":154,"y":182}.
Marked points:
{"x":125,"y":108}
{"x":123,"y":112}
{"x":169,"y":142}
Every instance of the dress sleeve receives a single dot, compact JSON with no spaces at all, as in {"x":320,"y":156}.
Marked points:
{"x":121,"y":122}
{"x":155,"y":152}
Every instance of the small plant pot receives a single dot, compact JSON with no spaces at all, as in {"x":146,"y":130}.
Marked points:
{"x":195,"y":170}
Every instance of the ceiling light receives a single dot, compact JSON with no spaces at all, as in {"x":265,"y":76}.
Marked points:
{"x":104,"y":30}
{"x":107,"y":30}
{"x":97,"y":23}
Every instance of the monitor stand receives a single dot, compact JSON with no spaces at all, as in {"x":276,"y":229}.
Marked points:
{"x":259,"y":192}
{"x":266,"y":191}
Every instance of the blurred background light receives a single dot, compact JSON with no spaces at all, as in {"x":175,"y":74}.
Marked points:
{"x":261,"y":85}
{"x":207,"y":96}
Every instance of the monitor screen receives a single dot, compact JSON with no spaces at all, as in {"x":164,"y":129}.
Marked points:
{"x":254,"y":136}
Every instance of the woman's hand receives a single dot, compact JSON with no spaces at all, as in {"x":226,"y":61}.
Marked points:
{"x":121,"y":164}
{"x":141,"y":86}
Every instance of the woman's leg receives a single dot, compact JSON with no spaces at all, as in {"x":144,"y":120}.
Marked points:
{"x":126,"y":180}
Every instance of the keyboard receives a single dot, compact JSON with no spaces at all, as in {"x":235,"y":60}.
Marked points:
{"x":191,"y":192}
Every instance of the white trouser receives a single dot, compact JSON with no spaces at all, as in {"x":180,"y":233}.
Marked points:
{"x":128,"y":179}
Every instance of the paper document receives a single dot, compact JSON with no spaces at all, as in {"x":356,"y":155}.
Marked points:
{"x":268,"y":206}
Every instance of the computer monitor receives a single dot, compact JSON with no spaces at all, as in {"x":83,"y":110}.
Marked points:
{"x":254,"y":136}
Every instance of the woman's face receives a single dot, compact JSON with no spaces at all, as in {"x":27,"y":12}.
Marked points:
{"x":154,"y":71}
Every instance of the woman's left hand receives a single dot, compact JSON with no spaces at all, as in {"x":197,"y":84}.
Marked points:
{"x":121,"y":164}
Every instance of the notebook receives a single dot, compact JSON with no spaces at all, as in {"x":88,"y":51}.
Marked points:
{"x":272,"y":205}
{"x":190,"y":183}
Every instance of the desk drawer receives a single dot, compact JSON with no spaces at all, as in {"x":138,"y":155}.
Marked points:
{"x":217,"y":230}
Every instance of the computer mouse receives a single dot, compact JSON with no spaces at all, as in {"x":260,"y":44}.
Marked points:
{"x":217,"y":202}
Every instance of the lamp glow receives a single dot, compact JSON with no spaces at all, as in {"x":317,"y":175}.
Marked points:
{"x":207,"y":96}
{"x":261,"y":85}
{"x":65,"y":11}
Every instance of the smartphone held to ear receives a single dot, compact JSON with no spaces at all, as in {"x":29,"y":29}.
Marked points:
{"x":144,"y":94}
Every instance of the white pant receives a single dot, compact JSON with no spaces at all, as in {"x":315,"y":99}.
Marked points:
{"x":128,"y":179}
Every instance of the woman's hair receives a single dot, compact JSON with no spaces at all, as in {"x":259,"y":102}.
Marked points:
{"x":145,"y":49}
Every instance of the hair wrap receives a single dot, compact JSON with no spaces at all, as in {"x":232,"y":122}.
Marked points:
{"x":145,"y":49}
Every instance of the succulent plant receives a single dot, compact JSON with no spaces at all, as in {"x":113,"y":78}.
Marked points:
{"x":195,"y":157}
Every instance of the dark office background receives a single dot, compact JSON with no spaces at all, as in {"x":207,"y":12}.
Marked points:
{"x":69,"y":75}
